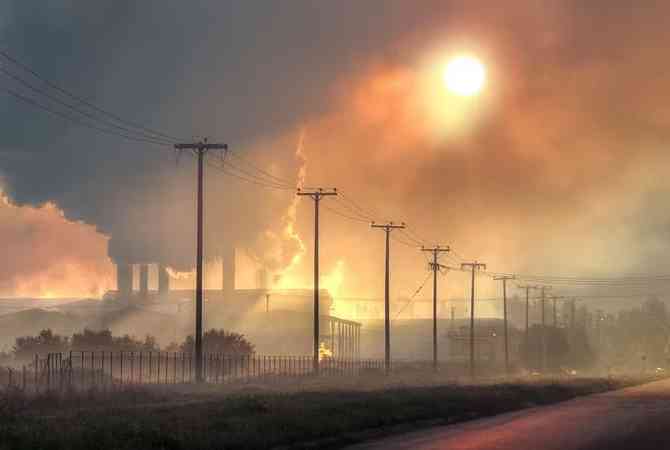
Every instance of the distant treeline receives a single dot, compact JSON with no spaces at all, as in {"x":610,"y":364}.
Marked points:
{"x":46,"y":341}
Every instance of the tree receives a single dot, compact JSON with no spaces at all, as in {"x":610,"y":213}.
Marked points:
{"x":220,"y":341}
{"x":89,"y":340}
{"x":103,"y":340}
{"x":26,"y":347}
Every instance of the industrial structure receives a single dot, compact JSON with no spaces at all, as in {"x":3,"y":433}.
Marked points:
{"x":276,"y":321}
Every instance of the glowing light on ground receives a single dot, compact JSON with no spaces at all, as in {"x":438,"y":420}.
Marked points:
{"x":465,"y":76}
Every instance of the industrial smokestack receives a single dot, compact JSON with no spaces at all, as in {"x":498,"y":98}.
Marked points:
{"x":124,"y":278}
{"x":144,"y":281}
{"x":163,"y":280}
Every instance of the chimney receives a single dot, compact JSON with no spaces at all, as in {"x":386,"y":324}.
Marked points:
{"x":163,"y":280}
{"x":124,"y":279}
{"x":144,"y":281}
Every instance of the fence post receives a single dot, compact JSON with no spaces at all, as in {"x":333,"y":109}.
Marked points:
{"x":48,"y":367}
{"x":61,"y":376}
{"x":111,"y":369}
{"x":183,"y":368}
{"x":102,"y":370}
{"x":35,"y":372}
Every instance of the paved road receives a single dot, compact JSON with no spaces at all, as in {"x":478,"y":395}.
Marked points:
{"x":636,"y":418}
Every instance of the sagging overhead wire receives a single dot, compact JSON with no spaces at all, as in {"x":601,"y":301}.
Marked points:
{"x":343,"y":215}
{"x":403,"y":242}
{"x":96,"y":120}
{"x":226,"y":169}
{"x":352,"y":211}
{"x":157,"y":134}
{"x":355,"y":206}
{"x":411,"y":299}
{"x":34,"y":103}
{"x":260,"y":172}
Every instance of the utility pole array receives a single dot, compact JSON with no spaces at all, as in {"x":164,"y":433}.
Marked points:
{"x":435,"y":268}
{"x":474,"y":266}
{"x":387,"y":227}
{"x":199,"y":149}
{"x":504,"y":279}
{"x":316,"y":195}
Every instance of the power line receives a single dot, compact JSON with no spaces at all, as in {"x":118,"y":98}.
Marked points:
{"x":413,"y":234}
{"x":262,"y":172}
{"x":403,"y":242}
{"x":76,"y":120}
{"x":83,"y":101}
{"x":344,"y":215}
{"x":353,"y":210}
{"x":362,"y":211}
{"x":413,"y":296}
{"x":93,"y":117}
{"x":225,"y":171}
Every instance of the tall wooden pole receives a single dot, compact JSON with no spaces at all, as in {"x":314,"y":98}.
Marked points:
{"x":200,"y":149}
{"x":316,"y":195}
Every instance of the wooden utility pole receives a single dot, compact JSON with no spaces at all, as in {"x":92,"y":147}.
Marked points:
{"x":199,"y":149}
{"x":435,"y":267}
{"x":387,"y":227}
{"x":474,"y":266}
{"x":553,"y":304}
{"x":504,"y":279}
{"x":316,"y":195}
{"x":544,"y":329}
{"x":526,"y":337}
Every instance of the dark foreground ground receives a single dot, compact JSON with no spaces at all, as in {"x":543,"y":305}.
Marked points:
{"x":314,"y":416}
{"x":636,"y":418}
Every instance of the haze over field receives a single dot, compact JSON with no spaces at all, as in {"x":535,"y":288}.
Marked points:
{"x":556,"y":166}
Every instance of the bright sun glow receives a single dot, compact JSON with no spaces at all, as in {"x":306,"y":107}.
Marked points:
{"x":465,"y":76}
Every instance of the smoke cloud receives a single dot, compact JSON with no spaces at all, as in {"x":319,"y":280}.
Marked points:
{"x":557,"y":167}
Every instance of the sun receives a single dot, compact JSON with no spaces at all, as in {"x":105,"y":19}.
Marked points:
{"x":465,"y":75}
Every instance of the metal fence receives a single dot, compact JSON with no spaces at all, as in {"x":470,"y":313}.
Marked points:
{"x":105,"y":369}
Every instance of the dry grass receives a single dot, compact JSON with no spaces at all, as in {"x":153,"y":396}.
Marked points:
{"x":331,"y":412}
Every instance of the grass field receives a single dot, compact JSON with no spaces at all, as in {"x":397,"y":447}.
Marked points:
{"x":316,"y":414}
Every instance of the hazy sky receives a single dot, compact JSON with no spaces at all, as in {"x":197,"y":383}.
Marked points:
{"x":557,"y":167}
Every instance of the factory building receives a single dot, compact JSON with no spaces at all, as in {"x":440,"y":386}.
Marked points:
{"x":275,"y":321}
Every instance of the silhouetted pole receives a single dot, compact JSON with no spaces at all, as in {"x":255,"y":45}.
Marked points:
{"x":387,"y":318}
{"x":504,"y":280}
{"x":200,"y":149}
{"x":553,"y":300}
{"x":474,"y":266}
{"x":573,"y":336}
{"x":544,"y":330}
{"x":436,"y":268}
{"x":526,"y":337}
{"x":316,"y":195}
